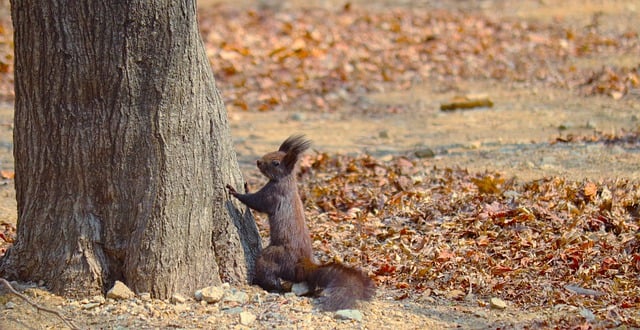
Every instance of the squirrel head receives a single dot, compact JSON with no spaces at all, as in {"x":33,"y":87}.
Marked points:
{"x":279,"y":164}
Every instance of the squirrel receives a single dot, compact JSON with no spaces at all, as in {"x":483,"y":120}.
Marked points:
{"x":289,"y":255}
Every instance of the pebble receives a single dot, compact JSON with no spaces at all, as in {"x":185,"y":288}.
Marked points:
{"x":297,"y":116}
{"x":234,"y":310}
{"x":181,"y":308}
{"x":246,"y":318}
{"x":120,"y":291}
{"x":90,"y":305}
{"x":198,"y":295}
{"x":178,"y":298}
{"x":473,"y":145}
{"x":212,"y":294}
{"x":565,"y":126}
{"x":455,"y":294}
{"x":497,"y":303}
{"x":425,"y":153}
{"x":349,"y":314}
{"x":236,"y":296}
{"x":10,"y":305}
{"x":145,"y":296}
{"x":300,"y":289}
{"x":480,"y":314}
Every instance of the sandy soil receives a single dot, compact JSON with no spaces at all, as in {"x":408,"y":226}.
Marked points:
{"x":514,"y":137}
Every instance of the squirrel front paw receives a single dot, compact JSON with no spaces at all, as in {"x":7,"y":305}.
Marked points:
{"x":232,"y":190}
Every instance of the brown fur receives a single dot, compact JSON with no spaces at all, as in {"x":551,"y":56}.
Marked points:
{"x":289,"y":255}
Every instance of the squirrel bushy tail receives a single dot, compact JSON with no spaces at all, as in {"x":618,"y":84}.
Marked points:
{"x":340,"y":286}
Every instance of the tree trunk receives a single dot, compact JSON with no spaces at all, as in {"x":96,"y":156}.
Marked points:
{"x":122,"y":152}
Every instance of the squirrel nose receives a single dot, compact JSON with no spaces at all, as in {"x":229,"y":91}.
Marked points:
{"x":258,"y":162}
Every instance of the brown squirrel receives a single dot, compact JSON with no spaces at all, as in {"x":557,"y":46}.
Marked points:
{"x":289,"y":255}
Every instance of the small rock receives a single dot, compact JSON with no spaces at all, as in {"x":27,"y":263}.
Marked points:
{"x":212,"y":294}
{"x":473,"y":145}
{"x":178,"y":298}
{"x":565,"y":126}
{"x":98,"y":299}
{"x":234,"y":310}
{"x":385,"y":157}
{"x":10,"y":305}
{"x":236,"y":296}
{"x":120,"y":291}
{"x":349,"y":314}
{"x":480,"y":314}
{"x":455,"y":294}
{"x":198,"y":295}
{"x":497,"y":303}
{"x":384,"y":134}
{"x":297,"y":116}
{"x":145,"y":296}
{"x":300,"y":289}
{"x":425,"y":153}
{"x":181,"y":308}
{"x":90,"y":305}
{"x":246,"y":318}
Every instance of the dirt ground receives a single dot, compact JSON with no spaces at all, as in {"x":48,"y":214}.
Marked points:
{"x":514,"y":137}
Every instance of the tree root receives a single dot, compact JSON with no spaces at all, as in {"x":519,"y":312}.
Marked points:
{"x":38,"y":307}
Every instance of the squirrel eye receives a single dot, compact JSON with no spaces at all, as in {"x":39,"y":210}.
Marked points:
{"x":275,"y":162}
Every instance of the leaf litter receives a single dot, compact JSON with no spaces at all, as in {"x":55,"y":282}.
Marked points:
{"x":423,"y":230}
{"x":268,"y":60}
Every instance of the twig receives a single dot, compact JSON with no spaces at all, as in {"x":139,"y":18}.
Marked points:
{"x":38,"y":307}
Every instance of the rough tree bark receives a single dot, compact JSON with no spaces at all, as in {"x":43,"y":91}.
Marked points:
{"x":122,"y":150}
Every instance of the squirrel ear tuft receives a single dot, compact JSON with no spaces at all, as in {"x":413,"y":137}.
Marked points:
{"x":297,"y":144}
{"x":293,"y":146}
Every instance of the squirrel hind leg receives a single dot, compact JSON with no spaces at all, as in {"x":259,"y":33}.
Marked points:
{"x":266,"y":276}
{"x":273,"y":264}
